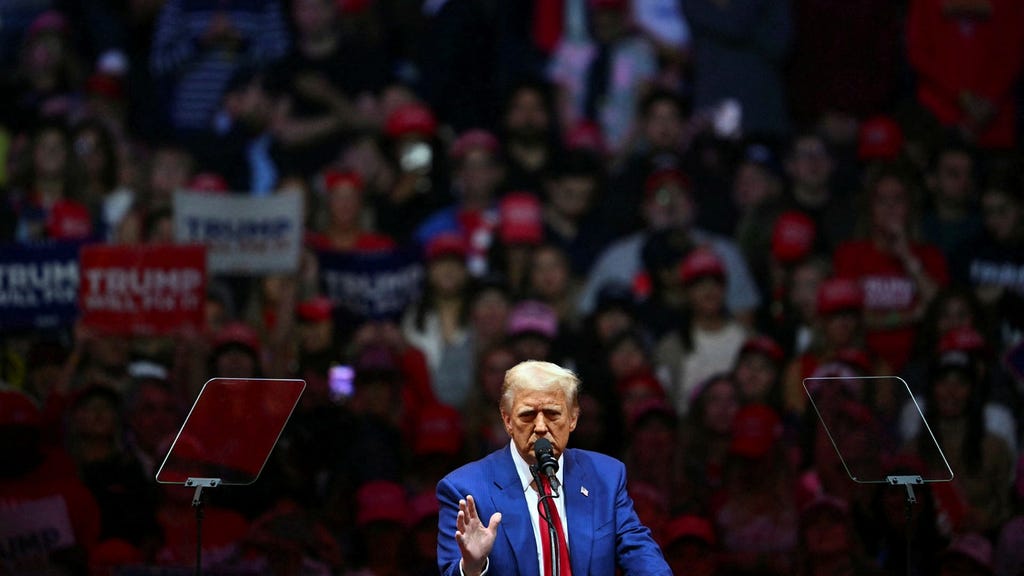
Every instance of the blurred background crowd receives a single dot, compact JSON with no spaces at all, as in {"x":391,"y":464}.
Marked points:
{"x":695,"y":204}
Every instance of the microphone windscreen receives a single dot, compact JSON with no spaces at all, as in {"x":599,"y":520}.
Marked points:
{"x":542,"y":446}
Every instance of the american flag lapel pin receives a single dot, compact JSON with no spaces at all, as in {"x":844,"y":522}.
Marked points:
{"x":584,"y":491}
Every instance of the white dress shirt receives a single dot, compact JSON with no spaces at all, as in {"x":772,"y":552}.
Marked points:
{"x":532,"y":498}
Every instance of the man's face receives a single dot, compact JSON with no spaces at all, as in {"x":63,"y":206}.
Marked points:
{"x":51,"y":153}
{"x":527,"y":117}
{"x":720,"y":407}
{"x":478,"y":175}
{"x":953,"y":179}
{"x":952,"y":394}
{"x":706,"y":296}
{"x":827,"y":535}
{"x":608,"y":24}
{"x":810,"y":163}
{"x":537,"y":414}
{"x":256,"y":106}
{"x":669,"y":207}
{"x":345,"y":203}
{"x":313,"y":17}
{"x":663,"y":126}
{"x":571,"y":196}
{"x":755,"y":373}
{"x":1001,"y":213}
{"x":236,"y":362}
{"x":316,"y":336}
{"x":154,"y":416}
{"x":890,"y":205}
{"x":753,"y":186}
{"x":171,"y":170}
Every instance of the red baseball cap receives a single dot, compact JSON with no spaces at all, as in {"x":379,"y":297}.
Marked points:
{"x":351,"y":7}
{"x":411,"y":119}
{"x":755,"y":430}
{"x":49,"y":21}
{"x":763,"y":345}
{"x":532,"y":317}
{"x":793,"y":237}
{"x":643,"y":381}
{"x":665,"y":178}
{"x":105,"y":85}
{"x":208,"y":182}
{"x":822,"y":503}
{"x":879,"y":138}
{"x":237,"y":333}
{"x":424,"y":506}
{"x":701,"y":263}
{"x":447,"y":244}
{"x":839,"y":294}
{"x":521,"y":221}
{"x":68,"y":220}
{"x":334,"y":178}
{"x":377,"y":359}
{"x":658,"y":406}
{"x":471,"y":140}
{"x":855,"y":358}
{"x":438,"y":431}
{"x":316,"y":309}
{"x":586,"y":135}
{"x":609,"y":4}
{"x":18,"y":409}
{"x":961,"y":339}
{"x":381,"y":501}
{"x":114,"y":552}
{"x":974,"y":547}
{"x":689,"y":526}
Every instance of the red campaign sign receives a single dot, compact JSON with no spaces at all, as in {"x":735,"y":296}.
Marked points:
{"x":142,"y":289}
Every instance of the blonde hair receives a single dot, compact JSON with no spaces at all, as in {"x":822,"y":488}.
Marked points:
{"x":537,"y":375}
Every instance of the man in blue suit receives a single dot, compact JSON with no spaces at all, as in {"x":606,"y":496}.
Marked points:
{"x":539,"y":400}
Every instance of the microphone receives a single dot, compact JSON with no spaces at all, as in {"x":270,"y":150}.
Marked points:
{"x":547,"y":463}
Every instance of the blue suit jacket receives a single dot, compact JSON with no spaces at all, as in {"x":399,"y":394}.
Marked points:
{"x":603,"y":529}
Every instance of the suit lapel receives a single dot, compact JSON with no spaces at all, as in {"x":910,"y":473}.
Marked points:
{"x":515,"y":519}
{"x":579,"y":508}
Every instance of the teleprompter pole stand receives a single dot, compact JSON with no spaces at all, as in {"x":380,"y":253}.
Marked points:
{"x":198,"y":503}
{"x":908,"y":482}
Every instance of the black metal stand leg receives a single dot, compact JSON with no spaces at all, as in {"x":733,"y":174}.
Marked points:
{"x":197,"y":503}
{"x":909,"y":513}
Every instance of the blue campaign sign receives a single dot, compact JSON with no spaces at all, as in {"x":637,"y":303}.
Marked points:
{"x":39,"y":285}
{"x":372,"y":285}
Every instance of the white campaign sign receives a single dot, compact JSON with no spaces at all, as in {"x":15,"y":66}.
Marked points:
{"x":243,"y":234}
{"x":31,"y":529}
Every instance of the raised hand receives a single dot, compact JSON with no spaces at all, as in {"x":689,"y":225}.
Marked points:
{"x":475,"y":540}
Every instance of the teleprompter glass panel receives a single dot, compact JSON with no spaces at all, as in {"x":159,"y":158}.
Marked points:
{"x":231,"y":430}
{"x":859,"y":436}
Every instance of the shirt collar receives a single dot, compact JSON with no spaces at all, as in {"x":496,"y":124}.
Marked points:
{"x":523,"y":469}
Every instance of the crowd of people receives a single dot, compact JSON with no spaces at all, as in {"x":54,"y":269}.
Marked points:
{"x":780,"y":242}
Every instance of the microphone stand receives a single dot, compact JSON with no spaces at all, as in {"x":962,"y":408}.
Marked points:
{"x":544,"y":503}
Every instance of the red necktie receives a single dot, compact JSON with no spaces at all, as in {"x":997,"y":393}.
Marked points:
{"x":563,"y":548}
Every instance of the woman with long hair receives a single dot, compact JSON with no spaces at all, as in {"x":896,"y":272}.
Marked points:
{"x":44,"y":196}
{"x":439,"y":323}
{"x":97,"y":168}
{"x":900,"y":275}
{"x":981,"y":461}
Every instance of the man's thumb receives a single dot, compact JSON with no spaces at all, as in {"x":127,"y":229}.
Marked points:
{"x":494,"y":521}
